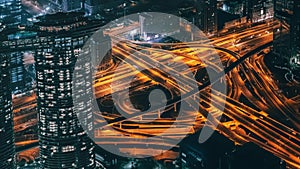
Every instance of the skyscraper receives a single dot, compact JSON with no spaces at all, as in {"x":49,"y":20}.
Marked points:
{"x":63,"y":142}
{"x":93,"y":6}
{"x":287,"y":37}
{"x":10,"y":17}
{"x":71,"y":5}
{"x":258,"y":10}
{"x":7,"y":146}
{"x":248,"y":9}
{"x":10,"y":12}
{"x":234,"y":7}
{"x":19,"y":75}
{"x":207,"y":15}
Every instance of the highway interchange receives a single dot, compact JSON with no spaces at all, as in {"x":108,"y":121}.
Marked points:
{"x":270,"y":120}
{"x":251,"y":79}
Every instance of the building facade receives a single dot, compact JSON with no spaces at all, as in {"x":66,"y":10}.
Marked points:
{"x":7,"y":145}
{"x":235,"y":7}
{"x":21,"y":81}
{"x":258,"y":10}
{"x":10,"y":18}
{"x":93,"y":7}
{"x":63,"y":141}
{"x":71,"y":5}
{"x":253,"y":10}
{"x":207,"y":16}
{"x":287,"y":37}
{"x":55,"y":43}
{"x":10,"y":12}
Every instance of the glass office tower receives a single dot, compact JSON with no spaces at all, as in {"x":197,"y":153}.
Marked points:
{"x":207,"y":16}
{"x":10,"y":12}
{"x":287,"y":37}
{"x":7,"y":146}
{"x":63,"y":142}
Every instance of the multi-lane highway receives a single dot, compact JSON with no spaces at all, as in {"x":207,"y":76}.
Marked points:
{"x":255,"y":110}
{"x":257,"y":120}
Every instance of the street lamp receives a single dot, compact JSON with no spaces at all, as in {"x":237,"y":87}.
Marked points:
{"x":124,"y":9}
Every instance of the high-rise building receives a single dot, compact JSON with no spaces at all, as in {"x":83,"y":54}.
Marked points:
{"x":21,"y":81}
{"x":235,"y":7}
{"x":253,"y":10}
{"x":93,"y":6}
{"x":63,"y":141}
{"x":10,"y":17}
{"x":287,"y":36}
{"x":258,"y":10}
{"x":10,"y":12}
{"x":207,"y":16}
{"x":7,"y":146}
{"x":248,"y":8}
{"x":71,"y":5}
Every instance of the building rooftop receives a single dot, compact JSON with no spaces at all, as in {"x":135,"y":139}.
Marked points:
{"x":60,"y":19}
